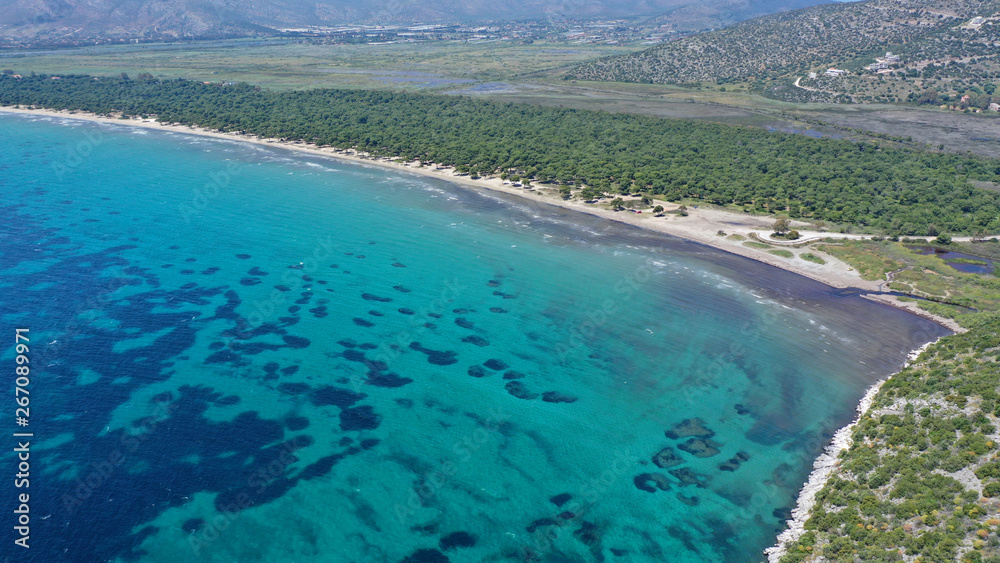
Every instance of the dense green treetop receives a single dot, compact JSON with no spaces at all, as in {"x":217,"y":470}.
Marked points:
{"x":895,"y":190}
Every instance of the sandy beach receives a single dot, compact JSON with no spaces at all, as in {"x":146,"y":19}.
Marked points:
{"x":703,"y":225}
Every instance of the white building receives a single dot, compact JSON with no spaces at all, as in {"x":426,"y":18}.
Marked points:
{"x":835,"y":72}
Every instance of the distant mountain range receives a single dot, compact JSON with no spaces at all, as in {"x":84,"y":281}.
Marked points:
{"x":797,"y":41}
{"x":60,"y":21}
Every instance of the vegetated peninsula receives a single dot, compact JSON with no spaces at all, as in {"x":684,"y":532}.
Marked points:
{"x":871,"y":51}
{"x":589,"y":154}
{"x":921,"y":481}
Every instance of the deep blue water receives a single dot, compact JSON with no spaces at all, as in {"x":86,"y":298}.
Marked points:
{"x":244,"y":354}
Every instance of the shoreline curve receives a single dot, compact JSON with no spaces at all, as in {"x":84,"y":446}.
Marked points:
{"x":701,"y":226}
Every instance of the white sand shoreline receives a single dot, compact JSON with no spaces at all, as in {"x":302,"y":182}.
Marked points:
{"x":702,"y":225}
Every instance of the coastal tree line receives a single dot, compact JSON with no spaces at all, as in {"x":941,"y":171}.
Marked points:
{"x":896,"y":191}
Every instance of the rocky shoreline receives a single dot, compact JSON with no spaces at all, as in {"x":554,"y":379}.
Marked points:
{"x":825,"y":465}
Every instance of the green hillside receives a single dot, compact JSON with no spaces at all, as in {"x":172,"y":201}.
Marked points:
{"x":939,"y":49}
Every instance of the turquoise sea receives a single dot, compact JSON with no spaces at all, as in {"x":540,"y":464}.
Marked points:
{"x":241,"y":353}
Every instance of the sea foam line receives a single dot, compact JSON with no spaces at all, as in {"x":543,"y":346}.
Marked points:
{"x":824,"y":466}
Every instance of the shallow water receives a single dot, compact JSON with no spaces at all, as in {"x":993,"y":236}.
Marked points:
{"x":242,"y":353}
{"x":950,"y":257}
